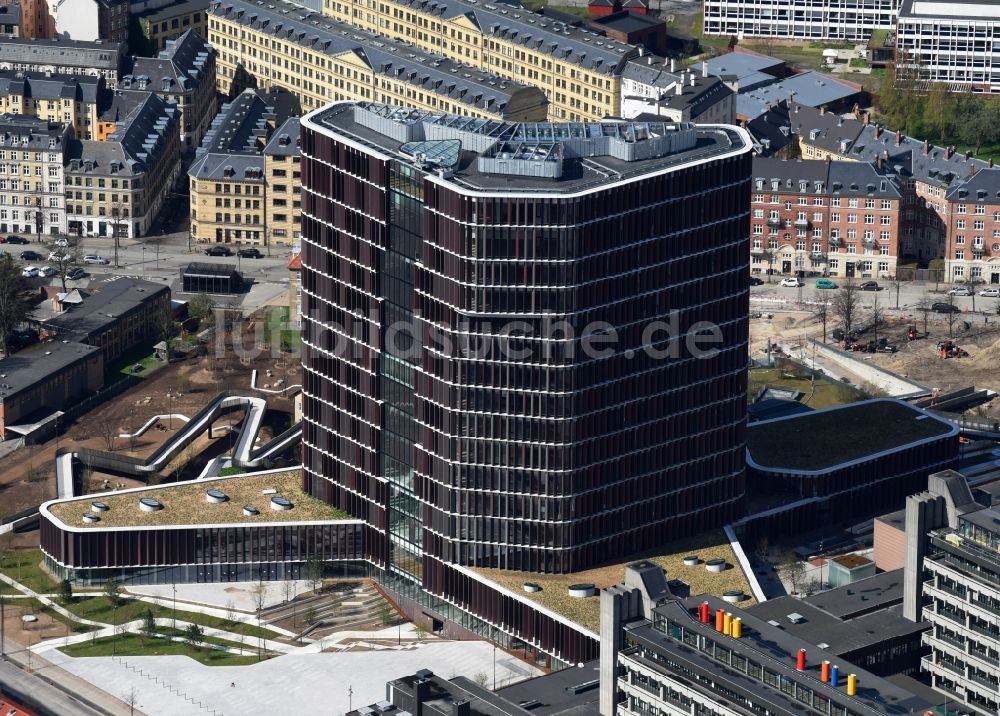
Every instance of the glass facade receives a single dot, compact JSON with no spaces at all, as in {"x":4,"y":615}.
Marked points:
{"x":504,"y":379}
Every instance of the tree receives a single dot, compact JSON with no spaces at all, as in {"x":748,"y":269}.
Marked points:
{"x":113,"y":592}
{"x":790,"y":567}
{"x":952,"y":315}
{"x":481,"y":678}
{"x":148,"y":624}
{"x":763,"y":549}
{"x":314,"y":573}
{"x":924,"y":304}
{"x":201,"y":307}
{"x":846,"y":304}
{"x":193,"y":635}
{"x":259,"y":596}
{"x":131,"y":698}
{"x":14,"y":300}
{"x":63,"y":260}
{"x":877,"y":314}
{"x":940,"y":111}
{"x":119,"y":224}
{"x":821,"y":311}
{"x":108,"y":431}
{"x":66,"y":590}
{"x":897,"y":284}
{"x":166,"y":326}
{"x":972,"y":283}
{"x":384,"y":613}
{"x":232,"y":619}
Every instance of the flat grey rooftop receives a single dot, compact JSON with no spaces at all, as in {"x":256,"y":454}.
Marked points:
{"x":525,"y":157}
{"x":866,"y":595}
{"x":105,"y":306}
{"x":835,"y":436}
{"x":567,"y":692}
{"x":22,"y":370}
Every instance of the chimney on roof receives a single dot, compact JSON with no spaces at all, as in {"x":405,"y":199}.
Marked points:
{"x":968,"y":156}
{"x":991,"y":163}
{"x":972,"y":169}
{"x":673,"y":65}
{"x":796,"y":109}
{"x":878,"y":131}
{"x":840,"y":121}
{"x":692,"y":79}
{"x":868,"y":118}
{"x":899,"y":137}
{"x":822,"y":111}
{"x":679,"y":88}
{"x":768,"y":106}
{"x":640,"y":48}
{"x":947,"y":152}
{"x":879,"y":164}
{"x":885,"y":154}
{"x":927,"y":147}
{"x":704,"y":69}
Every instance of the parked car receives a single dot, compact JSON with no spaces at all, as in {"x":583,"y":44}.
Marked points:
{"x":942,"y":307}
{"x":791,"y":282}
{"x":47,"y":271}
{"x":56,"y":256}
{"x":95,"y":259}
{"x":825,"y":283}
{"x":754,"y":281}
{"x":218,"y":251}
{"x":250,"y":254}
{"x":76,"y":273}
{"x":62,"y":243}
{"x":31,"y":256}
{"x":29,"y":271}
{"x":16,"y":240}
{"x":870,"y":286}
{"x":960,"y":291}
{"x":990,"y":292}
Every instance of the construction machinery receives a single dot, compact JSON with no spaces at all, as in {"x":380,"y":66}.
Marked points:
{"x":948,"y":349}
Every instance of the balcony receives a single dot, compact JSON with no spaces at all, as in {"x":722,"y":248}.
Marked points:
{"x":774,"y":222}
{"x":983,"y":681}
{"x":802,"y":223}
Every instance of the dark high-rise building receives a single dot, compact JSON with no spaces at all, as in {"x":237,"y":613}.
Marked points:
{"x":524,"y":344}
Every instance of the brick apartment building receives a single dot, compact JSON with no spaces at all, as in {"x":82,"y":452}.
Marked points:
{"x":972,"y":216}
{"x":830,"y":218}
{"x":926,"y":174}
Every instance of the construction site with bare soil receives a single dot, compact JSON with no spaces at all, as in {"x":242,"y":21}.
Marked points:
{"x":940,"y":352}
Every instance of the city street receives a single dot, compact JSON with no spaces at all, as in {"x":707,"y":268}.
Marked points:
{"x":162,"y":258}
{"x":910,"y":295}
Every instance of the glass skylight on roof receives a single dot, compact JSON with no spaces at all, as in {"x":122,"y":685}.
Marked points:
{"x":440,"y":153}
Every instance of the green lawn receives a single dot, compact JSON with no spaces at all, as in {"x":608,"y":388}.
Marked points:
{"x":40,"y":608}
{"x":26,"y":568}
{"x":828,"y":392}
{"x":98,"y":608}
{"x":137,"y":645}
{"x":141,"y":354}
{"x":277,"y":322}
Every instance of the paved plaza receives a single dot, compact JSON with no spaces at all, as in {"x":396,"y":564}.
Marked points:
{"x":290,"y":684}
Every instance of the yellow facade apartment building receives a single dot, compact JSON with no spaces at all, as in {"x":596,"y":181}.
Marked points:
{"x":245,"y":180}
{"x":279,"y":44}
{"x":579,"y":70}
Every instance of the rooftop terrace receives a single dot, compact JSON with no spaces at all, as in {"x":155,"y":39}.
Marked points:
{"x":186,"y":503}
{"x":585,"y":611}
{"x":835,"y":436}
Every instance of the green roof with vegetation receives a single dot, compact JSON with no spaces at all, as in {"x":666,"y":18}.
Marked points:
{"x":825,"y":438}
{"x":554,"y":594}
{"x":186,"y":503}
